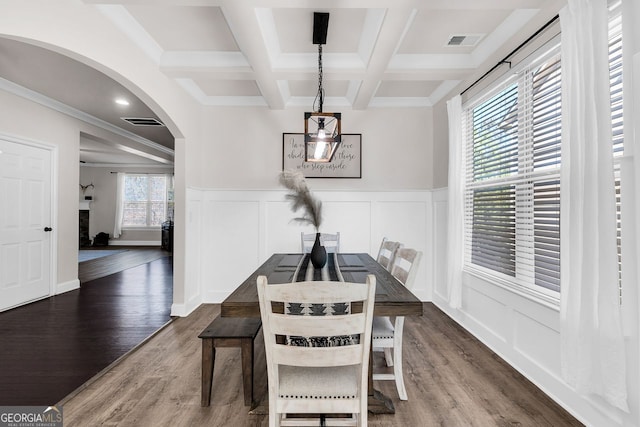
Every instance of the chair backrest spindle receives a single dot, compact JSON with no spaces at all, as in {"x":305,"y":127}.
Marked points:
{"x":331,"y":242}
{"x":387,"y":252}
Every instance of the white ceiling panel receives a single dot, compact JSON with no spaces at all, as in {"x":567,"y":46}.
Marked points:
{"x":431,"y":29}
{"x":185,"y":28}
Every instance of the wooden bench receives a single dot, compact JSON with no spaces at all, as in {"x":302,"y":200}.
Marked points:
{"x":229,"y":332}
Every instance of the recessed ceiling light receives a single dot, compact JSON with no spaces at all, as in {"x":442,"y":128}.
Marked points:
{"x":122,"y":101}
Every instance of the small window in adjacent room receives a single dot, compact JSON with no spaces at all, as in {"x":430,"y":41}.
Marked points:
{"x":147,"y":200}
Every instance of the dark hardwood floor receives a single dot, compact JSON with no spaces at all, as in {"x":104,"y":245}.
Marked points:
{"x":96,"y":268}
{"x":51,"y":347}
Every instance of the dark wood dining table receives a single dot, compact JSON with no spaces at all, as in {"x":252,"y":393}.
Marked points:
{"x":392,"y":298}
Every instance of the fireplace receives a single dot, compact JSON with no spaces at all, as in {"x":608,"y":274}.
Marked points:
{"x":84,"y":239}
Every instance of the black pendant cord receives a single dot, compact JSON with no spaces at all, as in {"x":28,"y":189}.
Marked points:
{"x":320,"y":94}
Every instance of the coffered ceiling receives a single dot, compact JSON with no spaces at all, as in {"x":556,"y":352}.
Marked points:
{"x":393,"y":53}
{"x":379,"y":53}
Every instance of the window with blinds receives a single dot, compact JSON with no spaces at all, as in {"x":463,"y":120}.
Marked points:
{"x":512,"y":185}
{"x":147,"y":200}
{"x":512,"y":210}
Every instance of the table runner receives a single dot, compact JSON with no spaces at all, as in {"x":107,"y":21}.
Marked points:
{"x":307,"y":272}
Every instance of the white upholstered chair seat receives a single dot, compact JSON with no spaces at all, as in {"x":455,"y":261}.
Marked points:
{"x":382,"y":330}
{"x":338,"y":382}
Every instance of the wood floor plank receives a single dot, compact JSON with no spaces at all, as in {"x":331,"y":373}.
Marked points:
{"x":452,"y":380}
{"x":53,"y":346}
{"x":132,"y":257}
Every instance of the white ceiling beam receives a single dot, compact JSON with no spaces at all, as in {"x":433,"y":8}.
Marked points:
{"x":394,"y":26}
{"x":243,"y":21}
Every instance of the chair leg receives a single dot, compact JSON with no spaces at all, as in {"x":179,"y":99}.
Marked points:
{"x":274,"y":417}
{"x":362,"y":417}
{"x":397,"y":372}
{"x":397,"y":355}
{"x":388,"y":358}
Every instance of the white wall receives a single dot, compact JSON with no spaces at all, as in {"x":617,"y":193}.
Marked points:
{"x":244,"y":148}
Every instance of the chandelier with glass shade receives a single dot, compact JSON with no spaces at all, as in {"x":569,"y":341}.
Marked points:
{"x":322,"y":130}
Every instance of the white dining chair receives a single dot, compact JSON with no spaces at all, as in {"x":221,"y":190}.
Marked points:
{"x":387,"y":332}
{"x":331,"y":242}
{"x":387,"y":252}
{"x":305,"y":380}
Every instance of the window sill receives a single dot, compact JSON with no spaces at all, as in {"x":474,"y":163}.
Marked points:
{"x":141,"y":228}
{"x":550,"y":300}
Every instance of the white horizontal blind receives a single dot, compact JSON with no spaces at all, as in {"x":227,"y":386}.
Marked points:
{"x":512,"y":206}
{"x":546,"y":141}
{"x":617,"y":123}
{"x":615,"y":74}
{"x":492,"y":156}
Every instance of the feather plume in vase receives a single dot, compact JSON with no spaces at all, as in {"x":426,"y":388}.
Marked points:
{"x":300,"y":197}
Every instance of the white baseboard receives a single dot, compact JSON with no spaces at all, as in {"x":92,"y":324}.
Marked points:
{"x":183,"y":310}
{"x":67,"y":286}
{"x":134,"y":243}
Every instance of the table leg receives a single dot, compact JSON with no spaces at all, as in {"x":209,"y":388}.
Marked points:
{"x":208,"y":358}
{"x":247,"y":370}
{"x":378,"y":403}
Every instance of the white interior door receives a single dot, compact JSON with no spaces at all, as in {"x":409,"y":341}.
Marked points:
{"x":25,"y":223}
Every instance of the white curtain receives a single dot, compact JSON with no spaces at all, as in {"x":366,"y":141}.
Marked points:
{"x":455,"y":237}
{"x":592,"y":346}
{"x":117,"y":228}
{"x":170,"y":182}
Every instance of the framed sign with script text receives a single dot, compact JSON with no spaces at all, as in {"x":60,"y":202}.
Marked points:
{"x":346,"y":163}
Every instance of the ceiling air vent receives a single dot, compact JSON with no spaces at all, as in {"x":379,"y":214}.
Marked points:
{"x":143,"y":121}
{"x":464,"y":40}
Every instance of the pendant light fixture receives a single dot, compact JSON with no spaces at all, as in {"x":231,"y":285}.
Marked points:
{"x":322,"y":131}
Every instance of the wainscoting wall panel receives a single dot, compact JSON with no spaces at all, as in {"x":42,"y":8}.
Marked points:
{"x":352,"y":220}
{"x":193,"y":249}
{"x":231,"y":230}
{"x":237,"y":230}
{"x":546,"y":357}
{"x":489,"y":313}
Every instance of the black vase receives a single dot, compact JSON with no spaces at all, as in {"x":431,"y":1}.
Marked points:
{"x":318,"y":253}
